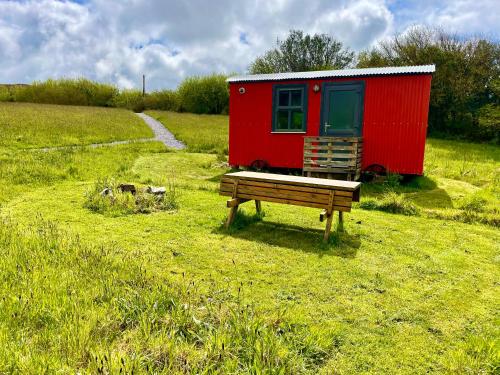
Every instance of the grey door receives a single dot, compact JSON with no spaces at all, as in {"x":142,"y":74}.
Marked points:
{"x":342,"y":109}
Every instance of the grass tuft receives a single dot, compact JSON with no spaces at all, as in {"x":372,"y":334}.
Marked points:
{"x":391,"y":202}
{"x":105,"y":197}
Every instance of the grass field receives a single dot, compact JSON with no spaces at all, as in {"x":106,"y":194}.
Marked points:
{"x":201,"y":133}
{"x":25,"y":125}
{"x":173,"y":292}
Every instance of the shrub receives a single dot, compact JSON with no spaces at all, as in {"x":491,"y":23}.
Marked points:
{"x":393,"y":203}
{"x":105,"y":197}
{"x":466,"y":77}
{"x":67,"y":91}
{"x":165,"y":100}
{"x":473,"y":202}
{"x":130,"y":99}
{"x":208,"y":94}
{"x":6,"y":94}
{"x":489,"y":123}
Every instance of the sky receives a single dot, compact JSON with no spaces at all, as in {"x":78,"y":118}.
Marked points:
{"x":168,"y":40}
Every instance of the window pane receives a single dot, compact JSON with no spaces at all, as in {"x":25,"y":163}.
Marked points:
{"x":283,"y":98}
{"x":282,"y":122}
{"x":297,"y":97}
{"x":297,"y":120}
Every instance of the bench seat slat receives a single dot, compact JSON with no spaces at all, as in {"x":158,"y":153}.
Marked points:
{"x":296,"y":180}
{"x":307,"y":197}
{"x":290,"y":202}
{"x":324,"y":191}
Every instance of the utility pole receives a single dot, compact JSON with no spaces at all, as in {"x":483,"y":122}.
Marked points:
{"x":143,"y":85}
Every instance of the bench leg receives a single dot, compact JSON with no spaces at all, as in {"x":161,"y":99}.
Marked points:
{"x":328,"y":228}
{"x":258,"y":206}
{"x":341,"y":221}
{"x":232,"y":214}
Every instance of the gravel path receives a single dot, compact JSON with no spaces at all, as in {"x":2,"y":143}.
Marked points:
{"x":161,"y":133}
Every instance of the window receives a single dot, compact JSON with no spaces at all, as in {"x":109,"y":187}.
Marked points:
{"x":289,"y":108}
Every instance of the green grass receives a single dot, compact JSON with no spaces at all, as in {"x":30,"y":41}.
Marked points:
{"x":201,"y":133}
{"x":41,"y":125}
{"x":173,"y":292}
{"x":477,"y":164}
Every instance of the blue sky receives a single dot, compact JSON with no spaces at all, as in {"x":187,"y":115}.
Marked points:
{"x":118,"y":41}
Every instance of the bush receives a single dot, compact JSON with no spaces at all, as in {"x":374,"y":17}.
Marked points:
{"x":207,"y":95}
{"x":67,"y":91}
{"x":7,"y":93}
{"x":474,"y":202}
{"x":165,"y":100}
{"x":393,"y":203}
{"x":130,"y":99}
{"x":466,"y":77}
{"x":105,"y":197}
{"x":489,"y":123}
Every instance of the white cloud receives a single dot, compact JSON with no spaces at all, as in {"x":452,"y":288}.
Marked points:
{"x":169,"y":40}
{"x":470,"y":17}
{"x":358,"y":24}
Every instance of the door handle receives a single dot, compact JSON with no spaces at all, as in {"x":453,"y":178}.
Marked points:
{"x":326,"y":126}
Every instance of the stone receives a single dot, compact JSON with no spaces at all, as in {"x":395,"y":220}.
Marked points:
{"x":160,"y":190}
{"x":107,"y":192}
{"x":128,"y":188}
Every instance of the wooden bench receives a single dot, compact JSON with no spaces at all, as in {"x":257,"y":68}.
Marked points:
{"x":330,"y":195}
{"x":330,"y":156}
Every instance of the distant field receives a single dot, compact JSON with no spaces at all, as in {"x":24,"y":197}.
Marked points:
{"x":175,"y":293}
{"x":25,"y":125}
{"x":201,"y":133}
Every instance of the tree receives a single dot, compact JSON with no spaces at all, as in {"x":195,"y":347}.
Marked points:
{"x":464,"y":80}
{"x":299,"y":52}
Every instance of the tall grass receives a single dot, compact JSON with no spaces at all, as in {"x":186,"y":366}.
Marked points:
{"x":68,"y":92}
{"x":129,"y":99}
{"x":75,"y":307}
{"x":105,"y":197}
{"x":165,"y":100}
{"x":391,"y":202}
{"x":208,"y":94}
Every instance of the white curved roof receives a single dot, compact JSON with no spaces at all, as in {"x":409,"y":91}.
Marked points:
{"x":417,"y":69}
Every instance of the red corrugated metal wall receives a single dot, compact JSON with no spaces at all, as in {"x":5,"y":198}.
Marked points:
{"x":394,"y":123}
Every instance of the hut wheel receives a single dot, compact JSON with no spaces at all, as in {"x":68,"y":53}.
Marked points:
{"x":259,"y":165}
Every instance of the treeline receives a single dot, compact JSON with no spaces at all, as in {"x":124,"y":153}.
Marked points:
{"x":465,"y":92}
{"x":207,"y":95}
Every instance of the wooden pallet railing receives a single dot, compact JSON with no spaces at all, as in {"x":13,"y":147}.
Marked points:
{"x":330,"y":195}
{"x":327,"y":156}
